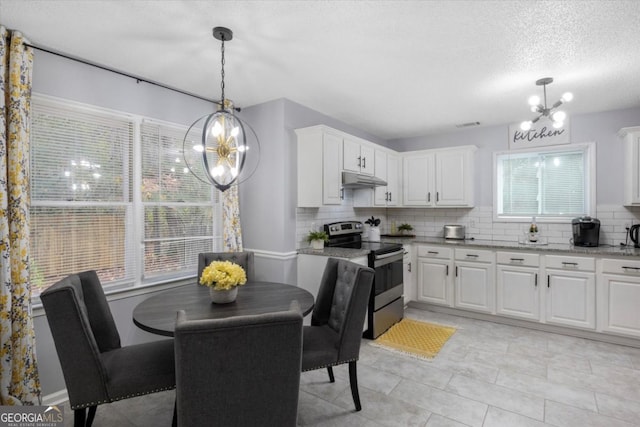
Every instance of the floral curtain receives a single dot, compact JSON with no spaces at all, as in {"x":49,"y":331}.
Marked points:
{"x":19,"y":383}
{"x":231,"y":230}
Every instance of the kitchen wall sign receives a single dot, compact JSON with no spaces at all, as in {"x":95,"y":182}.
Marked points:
{"x":541,"y":134}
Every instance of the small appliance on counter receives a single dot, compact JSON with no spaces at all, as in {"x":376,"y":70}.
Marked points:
{"x":454,"y":232}
{"x":586,"y":231}
{"x":633,"y":235}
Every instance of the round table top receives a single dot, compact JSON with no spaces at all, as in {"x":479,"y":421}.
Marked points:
{"x":157,"y":314}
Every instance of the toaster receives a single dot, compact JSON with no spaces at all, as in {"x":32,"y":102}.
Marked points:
{"x":455,"y":232}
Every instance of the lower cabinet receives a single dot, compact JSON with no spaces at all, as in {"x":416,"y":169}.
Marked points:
{"x":474,"y":280}
{"x":570,"y":291}
{"x":619,"y":297}
{"x":518,"y":291}
{"x":434,"y":280}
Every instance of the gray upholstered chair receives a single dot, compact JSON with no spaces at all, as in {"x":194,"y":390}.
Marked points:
{"x":337,"y":321}
{"x":243,"y":259}
{"x":239,"y":371}
{"x":96,"y":368}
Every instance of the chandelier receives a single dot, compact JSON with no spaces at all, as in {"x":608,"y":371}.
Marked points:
{"x":221,"y":149}
{"x":556,"y":116}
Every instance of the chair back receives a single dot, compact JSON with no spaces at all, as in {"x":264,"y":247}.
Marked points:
{"x":82,"y":327}
{"x":238,"y":371}
{"x":243,"y":259}
{"x":342,"y":303}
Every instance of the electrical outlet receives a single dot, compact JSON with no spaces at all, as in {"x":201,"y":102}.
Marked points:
{"x":472,"y":224}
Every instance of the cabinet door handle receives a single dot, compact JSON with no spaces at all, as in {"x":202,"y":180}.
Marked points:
{"x":342,"y":194}
{"x":409,"y":267}
{"x":456,"y":271}
{"x":517,"y":259}
{"x":569,"y":264}
{"x":472,"y":255}
{"x":630,"y":268}
{"x":437,"y":196}
{"x":548,"y":281}
{"x":447,"y":273}
{"x":535,"y":282}
{"x":364,"y":162}
{"x":386,"y":196}
{"x":359,"y":161}
{"x":389,"y":195}
{"x":429,"y":196}
{"x":433,"y":252}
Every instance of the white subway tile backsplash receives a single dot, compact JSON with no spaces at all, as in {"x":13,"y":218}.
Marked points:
{"x":428,"y":222}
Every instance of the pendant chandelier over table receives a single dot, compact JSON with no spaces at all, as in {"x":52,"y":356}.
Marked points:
{"x":220,"y":148}
{"x":552,"y":113}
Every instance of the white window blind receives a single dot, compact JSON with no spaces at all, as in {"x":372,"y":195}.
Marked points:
{"x":543,"y":184}
{"x":81,"y":178}
{"x":88,"y":211}
{"x":178,"y":208}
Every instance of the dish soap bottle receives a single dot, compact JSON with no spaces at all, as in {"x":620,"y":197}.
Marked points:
{"x":533,"y":230}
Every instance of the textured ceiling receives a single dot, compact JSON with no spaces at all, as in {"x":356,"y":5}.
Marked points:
{"x":392,"y":68}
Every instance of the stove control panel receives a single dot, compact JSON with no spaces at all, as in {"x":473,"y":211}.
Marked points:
{"x":342,"y":228}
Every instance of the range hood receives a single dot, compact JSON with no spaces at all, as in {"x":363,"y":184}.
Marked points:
{"x":357,"y":180}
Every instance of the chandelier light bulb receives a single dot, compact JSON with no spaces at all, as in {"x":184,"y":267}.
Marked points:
{"x":534,"y":100}
{"x":525,"y":125}
{"x":558,"y":124}
{"x":199,"y":148}
{"x":534,"y":108}
{"x":567,"y":97}
{"x":217,"y":129}
{"x":559,"y":116}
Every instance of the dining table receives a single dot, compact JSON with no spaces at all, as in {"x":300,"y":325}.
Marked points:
{"x":157,"y":314}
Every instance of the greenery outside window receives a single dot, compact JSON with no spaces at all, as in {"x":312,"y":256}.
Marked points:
{"x":109,"y":193}
{"x":552,"y":184}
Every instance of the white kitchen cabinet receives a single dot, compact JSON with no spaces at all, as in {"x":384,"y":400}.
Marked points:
{"x":387,"y":168}
{"x":407,"y":275}
{"x":357,"y":156}
{"x":570,"y":291}
{"x":517,"y":287}
{"x":439,"y":178}
{"x":631,"y":138}
{"x":434,"y":284}
{"x":319,"y":167}
{"x":619,"y":297}
{"x":474,"y":280}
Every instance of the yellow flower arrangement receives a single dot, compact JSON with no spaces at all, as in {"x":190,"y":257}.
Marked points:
{"x":223,"y":275}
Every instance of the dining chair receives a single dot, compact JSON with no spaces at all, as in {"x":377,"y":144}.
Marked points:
{"x":337,"y":320}
{"x":243,"y":259}
{"x":238,"y":371}
{"x":96,"y":368}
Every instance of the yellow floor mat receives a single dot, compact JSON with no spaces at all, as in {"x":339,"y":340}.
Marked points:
{"x":416,"y":338}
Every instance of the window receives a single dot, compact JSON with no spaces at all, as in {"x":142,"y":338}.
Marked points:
{"x":89,"y":213}
{"x":553,"y":184}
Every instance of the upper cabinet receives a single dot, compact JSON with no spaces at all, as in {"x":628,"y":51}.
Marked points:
{"x":387,"y":168}
{"x":319,"y":167}
{"x":439,"y":178}
{"x":357,"y":157}
{"x":631,"y":138}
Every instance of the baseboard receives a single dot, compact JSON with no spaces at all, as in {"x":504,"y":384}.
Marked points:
{"x":57,"y":398}
{"x":596,"y":336}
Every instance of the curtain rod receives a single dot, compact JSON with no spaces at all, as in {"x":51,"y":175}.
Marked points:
{"x":122,"y":73}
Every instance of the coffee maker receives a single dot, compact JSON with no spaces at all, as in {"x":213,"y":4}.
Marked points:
{"x":586,"y":231}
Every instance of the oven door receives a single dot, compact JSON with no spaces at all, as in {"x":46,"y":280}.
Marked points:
{"x":388,"y":281}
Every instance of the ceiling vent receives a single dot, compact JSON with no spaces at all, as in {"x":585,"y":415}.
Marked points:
{"x":466,"y":125}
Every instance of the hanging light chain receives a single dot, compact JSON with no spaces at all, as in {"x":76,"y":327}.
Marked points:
{"x":222,"y":72}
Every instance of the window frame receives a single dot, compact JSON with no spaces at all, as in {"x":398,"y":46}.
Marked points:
{"x":135,"y":216}
{"x":589,"y":149}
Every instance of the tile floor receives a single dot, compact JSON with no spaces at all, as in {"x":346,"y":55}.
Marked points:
{"x":487,"y":375}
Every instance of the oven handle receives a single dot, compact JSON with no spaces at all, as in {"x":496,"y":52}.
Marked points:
{"x":388,"y":258}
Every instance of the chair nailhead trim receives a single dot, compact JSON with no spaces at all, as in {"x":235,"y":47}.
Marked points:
{"x":115,"y":399}
{"x":330,"y":364}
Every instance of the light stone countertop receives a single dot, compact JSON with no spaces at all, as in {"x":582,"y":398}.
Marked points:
{"x":603,"y":250}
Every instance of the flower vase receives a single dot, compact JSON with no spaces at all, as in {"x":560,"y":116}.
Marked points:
{"x":223,"y":296}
